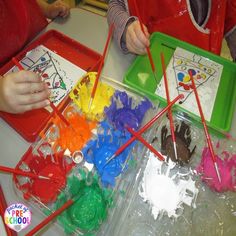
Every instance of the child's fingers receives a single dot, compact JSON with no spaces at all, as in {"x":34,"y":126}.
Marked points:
{"x":147,"y":41}
{"x":27,"y":83}
{"x":134,"y":49}
{"x":62,"y":8}
{"x":23,"y":103}
{"x":142,"y":36}
{"x":23,"y":91}
{"x":28,"y":107}
{"x":146,"y":32}
{"x":136,"y":39}
{"x":26,"y":76}
{"x":134,"y":42}
{"x":138,"y":47}
{"x":31,"y":98}
{"x":32,"y":87}
{"x":32,"y":106}
{"x":64,"y":11}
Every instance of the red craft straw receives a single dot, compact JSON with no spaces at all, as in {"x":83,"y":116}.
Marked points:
{"x":59,"y":113}
{"x":50,"y":217}
{"x":205,"y":127}
{"x":144,"y":128}
{"x":168,"y":101}
{"x":144,"y":142}
{"x":3,"y":206}
{"x":148,"y":49}
{"x":20,"y":67}
{"x":101,"y":65}
{"x":17,"y":63}
{"x":23,"y":173}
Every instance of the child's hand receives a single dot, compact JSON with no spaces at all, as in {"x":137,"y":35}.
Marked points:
{"x":136,"y":40}
{"x":57,"y":8}
{"x":22,"y":91}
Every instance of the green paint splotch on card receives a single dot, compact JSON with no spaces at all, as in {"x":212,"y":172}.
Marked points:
{"x":91,"y":204}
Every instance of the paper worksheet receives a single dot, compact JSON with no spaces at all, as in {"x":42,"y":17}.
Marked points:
{"x":206,"y":74}
{"x":60,"y":74}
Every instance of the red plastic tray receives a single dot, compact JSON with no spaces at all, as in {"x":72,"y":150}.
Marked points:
{"x":29,"y":124}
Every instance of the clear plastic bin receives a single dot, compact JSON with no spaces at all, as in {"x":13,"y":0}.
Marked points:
{"x":213,"y":213}
{"x":47,"y":151}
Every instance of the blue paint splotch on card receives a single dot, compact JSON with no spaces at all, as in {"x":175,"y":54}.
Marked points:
{"x":124,"y":113}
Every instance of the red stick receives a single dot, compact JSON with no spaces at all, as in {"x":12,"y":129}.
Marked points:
{"x":205,"y":127}
{"x":3,"y":206}
{"x":17,"y":63}
{"x":143,"y":141}
{"x":23,"y":173}
{"x":168,"y":101}
{"x":144,"y":128}
{"x":148,"y":49}
{"x":50,"y":217}
{"x":20,"y":67}
{"x":59,"y":113}
{"x":101,"y":65}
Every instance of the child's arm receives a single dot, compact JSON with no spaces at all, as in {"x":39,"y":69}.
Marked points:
{"x":22,"y":91}
{"x":57,"y":8}
{"x":127,"y":33}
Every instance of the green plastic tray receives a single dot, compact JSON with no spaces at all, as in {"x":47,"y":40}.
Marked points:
{"x":223,"y":109}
